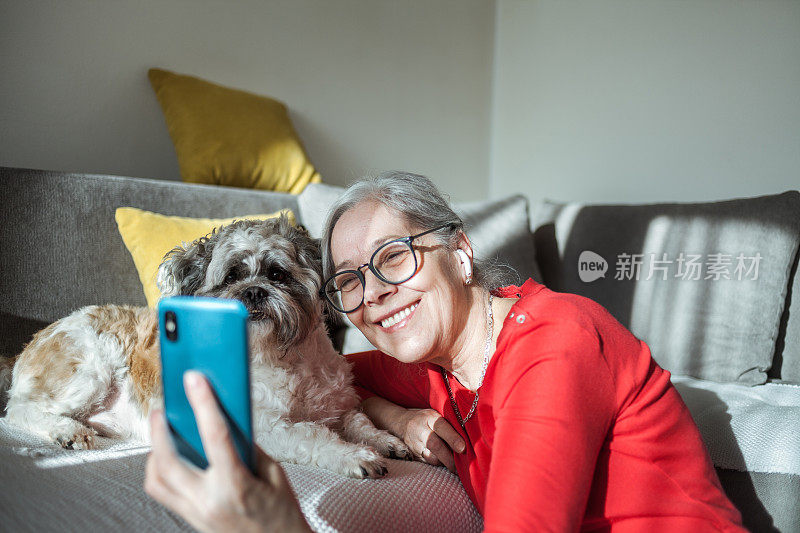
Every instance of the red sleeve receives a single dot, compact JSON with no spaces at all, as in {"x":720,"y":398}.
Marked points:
{"x":549,"y":430}
{"x":379,"y":374}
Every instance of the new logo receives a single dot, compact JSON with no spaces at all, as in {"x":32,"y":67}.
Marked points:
{"x":591,"y":266}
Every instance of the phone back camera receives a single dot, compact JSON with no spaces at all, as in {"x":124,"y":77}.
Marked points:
{"x":171,"y":326}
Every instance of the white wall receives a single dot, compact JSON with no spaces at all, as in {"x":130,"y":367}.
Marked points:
{"x":593,"y":100}
{"x":644,"y":100}
{"x":371,"y":84}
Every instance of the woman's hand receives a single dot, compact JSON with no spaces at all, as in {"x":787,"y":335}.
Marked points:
{"x":225,"y":496}
{"x":430,"y":437}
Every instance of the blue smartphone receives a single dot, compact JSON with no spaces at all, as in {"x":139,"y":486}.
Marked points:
{"x":208,"y":335}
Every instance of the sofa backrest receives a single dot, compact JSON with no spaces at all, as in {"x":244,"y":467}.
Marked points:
{"x":696,"y":322}
{"x":61,"y":248}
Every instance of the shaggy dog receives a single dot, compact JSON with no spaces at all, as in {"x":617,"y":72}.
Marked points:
{"x":97,"y":371}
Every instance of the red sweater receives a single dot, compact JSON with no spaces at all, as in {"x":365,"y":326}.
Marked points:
{"x":577,"y":428}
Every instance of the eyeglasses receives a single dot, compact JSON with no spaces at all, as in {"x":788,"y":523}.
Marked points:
{"x":394,"y":262}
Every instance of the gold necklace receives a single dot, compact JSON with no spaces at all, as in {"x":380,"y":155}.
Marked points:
{"x":487,"y":348}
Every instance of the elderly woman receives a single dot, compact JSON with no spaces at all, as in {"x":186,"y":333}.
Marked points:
{"x":554,"y":416}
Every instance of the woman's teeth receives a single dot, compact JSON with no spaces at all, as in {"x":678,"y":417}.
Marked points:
{"x":397,"y":317}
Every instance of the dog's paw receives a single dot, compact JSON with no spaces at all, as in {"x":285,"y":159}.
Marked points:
{"x":403,"y":452}
{"x":390,"y":446}
{"x":82,"y":439}
{"x":363,"y":463}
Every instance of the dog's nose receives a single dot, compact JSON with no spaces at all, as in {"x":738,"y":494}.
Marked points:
{"x":253,"y":295}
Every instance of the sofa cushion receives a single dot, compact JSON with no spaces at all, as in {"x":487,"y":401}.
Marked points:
{"x":768,"y":502}
{"x":751,"y":435}
{"x":224,"y":136}
{"x":788,"y":347}
{"x":50,"y":488}
{"x":710,"y":327}
{"x":746,"y":428}
{"x":500,"y":232}
{"x":313,"y":205}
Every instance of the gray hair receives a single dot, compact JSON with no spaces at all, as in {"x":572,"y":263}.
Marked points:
{"x":419,"y":202}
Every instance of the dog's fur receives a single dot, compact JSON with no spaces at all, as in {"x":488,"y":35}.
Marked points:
{"x":97,"y":371}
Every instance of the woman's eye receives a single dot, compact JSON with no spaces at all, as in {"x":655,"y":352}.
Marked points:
{"x":348,"y":284}
{"x":276,"y":274}
{"x":394,"y":256}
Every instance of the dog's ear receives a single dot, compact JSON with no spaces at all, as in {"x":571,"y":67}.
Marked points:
{"x":184,"y":267}
{"x":308,"y":250}
{"x":309,"y":255}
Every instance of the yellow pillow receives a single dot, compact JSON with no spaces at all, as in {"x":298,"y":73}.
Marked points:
{"x":229,"y":137}
{"x":148,"y":236}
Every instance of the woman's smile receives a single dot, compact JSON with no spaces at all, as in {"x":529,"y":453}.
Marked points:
{"x":396,"y":320}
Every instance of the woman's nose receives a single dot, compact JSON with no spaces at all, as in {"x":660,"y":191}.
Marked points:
{"x":375,"y":289}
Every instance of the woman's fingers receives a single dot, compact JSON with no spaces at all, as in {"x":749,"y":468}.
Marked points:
{"x":443,"y":428}
{"x":432,"y":438}
{"x":429,"y":457}
{"x":217,"y":442}
{"x":270,"y":470}
{"x":443,"y":453}
{"x":442,"y":440}
{"x":159,"y":490}
{"x":166,"y":476}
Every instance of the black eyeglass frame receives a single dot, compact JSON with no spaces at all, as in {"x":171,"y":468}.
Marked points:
{"x":362,"y":278}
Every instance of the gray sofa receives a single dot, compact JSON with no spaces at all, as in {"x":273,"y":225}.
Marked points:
{"x":733,"y":346}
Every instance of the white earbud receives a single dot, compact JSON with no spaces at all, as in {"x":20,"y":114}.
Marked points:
{"x":466,"y":264}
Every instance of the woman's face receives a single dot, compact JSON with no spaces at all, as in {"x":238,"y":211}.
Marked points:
{"x":433,"y":295}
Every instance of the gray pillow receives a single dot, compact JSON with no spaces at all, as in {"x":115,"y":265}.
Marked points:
{"x":499,"y":231}
{"x":787,"y":352}
{"x":313,"y":205}
{"x":709,"y":328}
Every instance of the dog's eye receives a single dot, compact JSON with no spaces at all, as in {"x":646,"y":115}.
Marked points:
{"x":276,"y":274}
{"x":231,"y":277}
